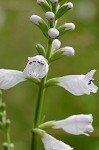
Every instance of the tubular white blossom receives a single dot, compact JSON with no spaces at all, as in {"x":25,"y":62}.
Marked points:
{"x":76,"y":124}
{"x":69,"y":5}
{"x":50,"y":143}
{"x":35,"y":19}
{"x":78,"y":84}
{"x":53,"y":33}
{"x":37,"y":67}
{"x":69,"y":26}
{"x":69,"y":51}
{"x":56,"y":44}
{"x":9,"y":78}
{"x":49,"y":15}
{"x":40,"y":1}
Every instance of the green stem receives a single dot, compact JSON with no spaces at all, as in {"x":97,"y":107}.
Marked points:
{"x":40,"y":100}
{"x":38,"y":112}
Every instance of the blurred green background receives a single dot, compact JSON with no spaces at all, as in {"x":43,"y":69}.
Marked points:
{"x":18,"y":37}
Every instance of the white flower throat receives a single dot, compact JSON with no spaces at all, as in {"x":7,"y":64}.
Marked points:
{"x":37,"y":67}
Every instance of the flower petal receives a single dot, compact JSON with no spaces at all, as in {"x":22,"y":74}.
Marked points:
{"x":76,"y":124}
{"x":9,"y":78}
{"x":78,"y":84}
{"x":50,"y":143}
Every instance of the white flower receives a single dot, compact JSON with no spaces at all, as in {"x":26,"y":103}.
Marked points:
{"x":78,"y":84}
{"x":37,"y":67}
{"x":69,"y":51}
{"x":49,"y":15}
{"x":56,"y":44}
{"x":53,"y":33}
{"x":35,"y":19}
{"x":69,"y":26}
{"x":76,"y":124}
{"x":50,"y":143}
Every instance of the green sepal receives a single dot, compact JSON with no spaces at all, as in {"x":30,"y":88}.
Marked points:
{"x":39,"y":132}
{"x":51,"y":82}
{"x":47,"y":125}
{"x":44,"y":27}
{"x":62,"y":29}
{"x":35,"y":80}
{"x":40,"y":49}
{"x":62,"y":10}
{"x":45,"y":6}
{"x":56,"y":55}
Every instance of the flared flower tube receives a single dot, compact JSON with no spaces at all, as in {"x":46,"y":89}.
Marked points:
{"x":37,"y":67}
{"x":76,"y":84}
{"x":76,"y":124}
{"x":50,"y":143}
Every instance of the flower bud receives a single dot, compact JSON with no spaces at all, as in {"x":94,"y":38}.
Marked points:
{"x":66,"y":27}
{"x":40,"y":23}
{"x":50,"y":15}
{"x":63,"y":9}
{"x":56,"y":44}
{"x":44,"y":4}
{"x":37,"y":67}
{"x":69,"y":26}
{"x":36,"y":19}
{"x":53,"y":33}
{"x":69,"y":51}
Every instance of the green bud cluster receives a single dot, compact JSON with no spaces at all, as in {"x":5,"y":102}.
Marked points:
{"x":5,"y":124}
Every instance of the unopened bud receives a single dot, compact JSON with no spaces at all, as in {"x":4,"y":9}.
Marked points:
{"x":66,"y":27}
{"x":69,"y":5}
{"x":35,"y":19}
{"x":44,"y":4}
{"x":69,"y":51}
{"x":56,"y":44}
{"x":69,"y":26}
{"x":53,"y":33}
{"x":63,"y":9}
{"x":50,"y":15}
{"x":40,"y":23}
